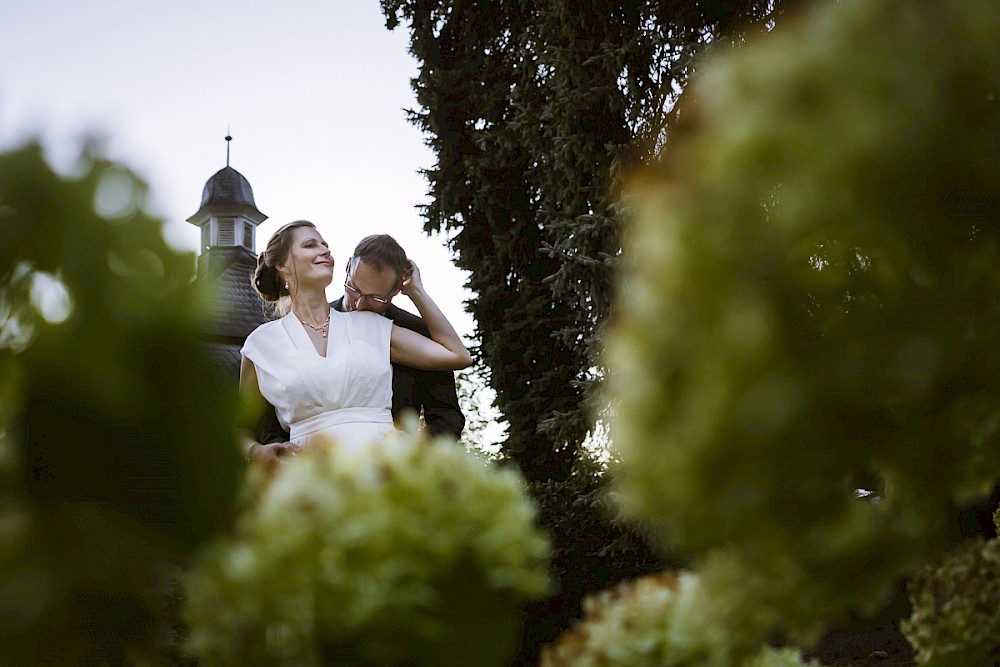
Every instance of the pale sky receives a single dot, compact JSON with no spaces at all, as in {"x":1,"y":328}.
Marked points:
{"x":312,"y":91}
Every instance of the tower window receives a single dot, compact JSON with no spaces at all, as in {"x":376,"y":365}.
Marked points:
{"x":248,"y":236}
{"x":227,"y":232}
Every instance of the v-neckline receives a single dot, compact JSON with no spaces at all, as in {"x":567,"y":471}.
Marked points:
{"x":308,"y":339}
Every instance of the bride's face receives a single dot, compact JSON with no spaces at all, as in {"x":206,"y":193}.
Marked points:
{"x":309,"y":260}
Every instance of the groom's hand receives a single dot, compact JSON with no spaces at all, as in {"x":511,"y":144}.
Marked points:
{"x":412,"y":284}
{"x":271,"y":455}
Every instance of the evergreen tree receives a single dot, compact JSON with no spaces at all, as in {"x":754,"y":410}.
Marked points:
{"x":535,"y":110}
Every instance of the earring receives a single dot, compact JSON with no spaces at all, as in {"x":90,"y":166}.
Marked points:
{"x":286,"y":285}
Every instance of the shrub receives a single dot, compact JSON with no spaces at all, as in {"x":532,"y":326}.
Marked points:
{"x":593,"y":547}
{"x":810,"y":297}
{"x":115,"y":433}
{"x":655,"y":621}
{"x":418,"y":553}
{"x":956,"y":608}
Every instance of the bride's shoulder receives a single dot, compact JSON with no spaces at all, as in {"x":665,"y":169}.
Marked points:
{"x":366,"y":316}
{"x":266,"y":328}
{"x":365,"y":320}
{"x":357,"y":314}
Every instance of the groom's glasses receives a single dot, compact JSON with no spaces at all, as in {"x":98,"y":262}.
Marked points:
{"x":357,"y":294}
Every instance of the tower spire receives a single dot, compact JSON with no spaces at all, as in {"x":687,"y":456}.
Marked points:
{"x":228,"y":139}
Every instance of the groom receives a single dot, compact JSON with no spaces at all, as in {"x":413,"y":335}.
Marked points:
{"x":374,"y":276}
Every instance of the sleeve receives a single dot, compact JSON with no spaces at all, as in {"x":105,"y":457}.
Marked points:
{"x":432,"y":392}
{"x":268,"y":347}
{"x":250,"y":349}
{"x":268,"y":428}
{"x":439,"y":398}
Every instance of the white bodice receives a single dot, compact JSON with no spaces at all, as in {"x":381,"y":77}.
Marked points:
{"x":346,"y":396}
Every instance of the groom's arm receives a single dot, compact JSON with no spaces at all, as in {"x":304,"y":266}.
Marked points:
{"x":439,"y":397}
{"x":431,"y":392}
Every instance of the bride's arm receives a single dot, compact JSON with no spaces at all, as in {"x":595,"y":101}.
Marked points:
{"x":269,"y":454}
{"x":443,"y":351}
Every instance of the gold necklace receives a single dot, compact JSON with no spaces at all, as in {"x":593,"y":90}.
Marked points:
{"x":321,"y":328}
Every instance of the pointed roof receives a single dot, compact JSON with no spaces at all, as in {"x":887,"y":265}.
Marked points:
{"x":227,"y":186}
{"x":228,"y":189}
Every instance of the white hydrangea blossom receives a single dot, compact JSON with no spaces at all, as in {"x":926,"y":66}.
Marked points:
{"x":657,"y":621}
{"x":411,"y":551}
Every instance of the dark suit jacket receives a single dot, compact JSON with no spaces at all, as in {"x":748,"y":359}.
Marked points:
{"x":432,"y":392}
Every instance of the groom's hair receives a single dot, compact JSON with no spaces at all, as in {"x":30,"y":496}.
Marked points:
{"x":382,"y":252}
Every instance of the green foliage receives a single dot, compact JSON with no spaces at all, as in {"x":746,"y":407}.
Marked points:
{"x":116,"y":447}
{"x":811,"y":298}
{"x":956,"y":608}
{"x":656,"y":621}
{"x":534,"y":110}
{"x":593,"y":547}
{"x":418,"y":554}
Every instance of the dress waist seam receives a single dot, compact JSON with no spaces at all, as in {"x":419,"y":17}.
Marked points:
{"x":334,"y":418}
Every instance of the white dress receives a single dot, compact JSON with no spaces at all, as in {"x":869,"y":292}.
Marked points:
{"x":344,"y":397}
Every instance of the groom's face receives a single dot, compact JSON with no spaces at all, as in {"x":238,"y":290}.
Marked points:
{"x":368,"y":288}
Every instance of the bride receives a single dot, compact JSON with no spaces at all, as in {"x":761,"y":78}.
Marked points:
{"x":328,"y":373}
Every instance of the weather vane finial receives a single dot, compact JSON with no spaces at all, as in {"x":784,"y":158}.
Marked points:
{"x":228,"y":139}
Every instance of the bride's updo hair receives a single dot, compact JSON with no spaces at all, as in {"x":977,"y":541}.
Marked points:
{"x":266,"y":279}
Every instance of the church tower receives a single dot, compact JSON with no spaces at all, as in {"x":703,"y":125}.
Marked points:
{"x":228,"y":218}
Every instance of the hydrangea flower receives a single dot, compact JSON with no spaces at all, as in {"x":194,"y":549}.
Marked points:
{"x":655,"y":621}
{"x":414,"y":552}
{"x":956,"y":608}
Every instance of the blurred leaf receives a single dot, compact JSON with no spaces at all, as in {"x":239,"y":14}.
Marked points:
{"x":116,"y":441}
